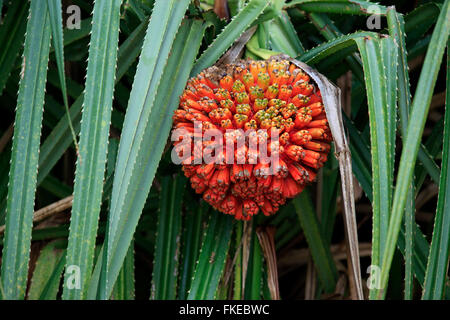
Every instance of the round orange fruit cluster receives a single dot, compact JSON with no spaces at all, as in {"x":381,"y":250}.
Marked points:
{"x":271,"y":115}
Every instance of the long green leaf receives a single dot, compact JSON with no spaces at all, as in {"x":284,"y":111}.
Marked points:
{"x":235,"y":6}
{"x":12,"y":33}
{"x":25,"y":153}
{"x":389,"y":54}
{"x":409,"y":244}
{"x":397,"y":31}
{"x":339,"y":6}
{"x":326,"y":49}
{"x":327,"y":28}
{"x":237,"y":285}
{"x":94,"y":134}
{"x":418,"y":21}
{"x":43,"y":270}
{"x":283,"y":37}
{"x":377,"y":94}
{"x":338,"y":46}
{"x":146,"y":128}
{"x":428,"y":162}
{"x":60,"y":138}
{"x":345,"y":42}
{"x":51,"y":289}
{"x":419,"y":110}
{"x":254,"y":277}
{"x":288,"y":226}
{"x":253,"y":51}
{"x":211,"y":261}
{"x":229,"y":34}
{"x":329,"y":193}
{"x":436,"y":274}
{"x":54,"y":10}
{"x":362,"y":172}
{"x":360,"y":169}
{"x":320,"y":252}
{"x":124,"y":287}
{"x":72,"y":35}
{"x":165,"y":265}
{"x":98,"y":269}
{"x":192,"y":240}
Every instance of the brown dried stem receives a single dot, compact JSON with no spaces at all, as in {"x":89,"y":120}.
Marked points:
{"x":45,"y":212}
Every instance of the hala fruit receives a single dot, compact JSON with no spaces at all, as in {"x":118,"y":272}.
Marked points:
{"x":270,"y":99}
